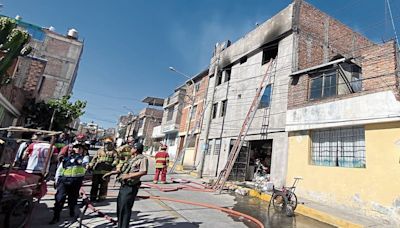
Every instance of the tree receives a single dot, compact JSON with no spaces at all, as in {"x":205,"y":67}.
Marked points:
{"x":55,"y":114}
{"x":12,"y":44}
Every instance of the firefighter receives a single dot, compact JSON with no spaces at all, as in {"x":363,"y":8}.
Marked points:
{"x":162,"y":161}
{"x":69,"y":177}
{"x":103,"y":162}
{"x":124,"y":152}
{"x":129,"y":177}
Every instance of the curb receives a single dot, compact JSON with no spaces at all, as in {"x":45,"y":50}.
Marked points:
{"x":311,"y":213}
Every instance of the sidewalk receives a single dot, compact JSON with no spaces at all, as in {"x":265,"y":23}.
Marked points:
{"x":339,"y":217}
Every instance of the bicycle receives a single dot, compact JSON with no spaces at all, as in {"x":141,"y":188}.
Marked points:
{"x":285,"y":199}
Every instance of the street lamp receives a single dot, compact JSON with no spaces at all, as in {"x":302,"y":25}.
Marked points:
{"x":190,"y":112}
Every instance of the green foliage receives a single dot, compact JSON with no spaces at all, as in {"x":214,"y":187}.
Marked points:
{"x":64,"y":112}
{"x":12,"y":44}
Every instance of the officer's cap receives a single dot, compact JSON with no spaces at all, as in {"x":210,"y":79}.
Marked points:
{"x":138,"y":146}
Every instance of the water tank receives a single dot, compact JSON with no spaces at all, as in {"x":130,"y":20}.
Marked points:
{"x":51,"y":28}
{"x":18,"y":17}
{"x":73,"y":33}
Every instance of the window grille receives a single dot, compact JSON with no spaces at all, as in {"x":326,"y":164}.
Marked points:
{"x":343,"y":147}
{"x":217,"y":146}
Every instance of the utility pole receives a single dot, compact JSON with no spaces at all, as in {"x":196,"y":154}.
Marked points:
{"x":207,"y":132}
{"x":190,"y":113}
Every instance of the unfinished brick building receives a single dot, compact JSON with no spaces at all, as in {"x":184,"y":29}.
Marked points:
{"x":330,"y":113}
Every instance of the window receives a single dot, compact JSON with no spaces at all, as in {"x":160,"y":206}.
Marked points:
{"x":266,"y":97}
{"x":141,"y":123}
{"x":171,"y":140}
{"x":269,"y":53}
{"x":228,"y":74}
{"x":343,"y":147}
{"x":356,"y":80}
{"x":223,"y":107}
{"x":217,"y":146}
{"x":197,"y":86}
{"x":192,"y":141}
{"x":219,"y":78}
{"x":323,"y":85}
{"x":243,"y":59}
{"x":214,"y":110}
{"x":209,"y":147}
{"x":194,"y":111}
{"x":170,"y":113}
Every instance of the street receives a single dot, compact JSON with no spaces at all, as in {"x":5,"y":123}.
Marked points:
{"x":157,"y":213}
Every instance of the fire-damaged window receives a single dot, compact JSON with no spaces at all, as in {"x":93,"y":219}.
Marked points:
{"x":228,"y":74}
{"x":341,"y":147}
{"x":341,"y":79}
{"x":269,"y":53}
{"x":219,"y":78}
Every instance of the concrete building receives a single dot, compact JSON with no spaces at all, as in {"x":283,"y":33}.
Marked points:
{"x":343,"y":116}
{"x":62,"y":54}
{"x":149,"y":118}
{"x":200,"y":87}
{"x":235,"y":72}
{"x":171,"y":120}
{"x":158,"y":137}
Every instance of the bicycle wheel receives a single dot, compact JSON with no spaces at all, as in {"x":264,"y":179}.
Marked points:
{"x":292,"y":200}
{"x":18,"y":216}
{"x":279,"y":201}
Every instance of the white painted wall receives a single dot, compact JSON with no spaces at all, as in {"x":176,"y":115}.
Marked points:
{"x":371,"y":108}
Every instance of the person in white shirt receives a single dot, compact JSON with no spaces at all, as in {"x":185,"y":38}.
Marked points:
{"x":37,"y":154}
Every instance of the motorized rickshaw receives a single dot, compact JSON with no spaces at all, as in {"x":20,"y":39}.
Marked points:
{"x":20,"y":190}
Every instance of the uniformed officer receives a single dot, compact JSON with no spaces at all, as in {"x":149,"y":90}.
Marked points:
{"x":103,"y":162}
{"x":69,"y":177}
{"x":129,"y":177}
{"x":124,"y":152}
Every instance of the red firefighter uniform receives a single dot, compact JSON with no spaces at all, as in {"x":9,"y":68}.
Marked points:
{"x":162,"y":160}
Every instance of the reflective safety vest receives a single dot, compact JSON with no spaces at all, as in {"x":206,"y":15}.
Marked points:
{"x":74,"y":166}
{"x":162,"y":159}
{"x":124,"y":154}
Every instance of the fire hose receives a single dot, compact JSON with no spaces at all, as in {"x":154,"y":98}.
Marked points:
{"x":89,"y":205}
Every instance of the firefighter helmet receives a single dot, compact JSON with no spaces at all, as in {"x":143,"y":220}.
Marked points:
{"x":108,"y":140}
{"x":138,"y":147}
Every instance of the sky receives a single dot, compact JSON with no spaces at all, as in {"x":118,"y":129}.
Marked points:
{"x":129,"y":44}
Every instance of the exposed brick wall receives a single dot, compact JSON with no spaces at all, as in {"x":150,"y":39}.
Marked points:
{"x":379,"y":68}
{"x":322,"y":37}
{"x":200,"y":96}
{"x":34,"y":74}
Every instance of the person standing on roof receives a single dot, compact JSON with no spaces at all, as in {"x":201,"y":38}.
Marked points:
{"x":69,"y":178}
{"x":162,"y":161}
{"x":105,"y":160}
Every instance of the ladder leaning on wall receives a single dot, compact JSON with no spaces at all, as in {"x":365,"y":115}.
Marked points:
{"x":224,"y":174}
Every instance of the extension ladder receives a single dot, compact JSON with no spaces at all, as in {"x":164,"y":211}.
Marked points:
{"x":224,"y":174}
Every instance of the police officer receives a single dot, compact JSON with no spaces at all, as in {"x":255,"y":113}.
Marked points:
{"x":103,"y":162}
{"x":129,"y":177}
{"x":124,"y":152}
{"x":69,"y":179}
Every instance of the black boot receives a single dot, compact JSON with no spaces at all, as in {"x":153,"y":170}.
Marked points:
{"x":72,"y":213}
